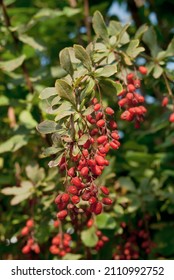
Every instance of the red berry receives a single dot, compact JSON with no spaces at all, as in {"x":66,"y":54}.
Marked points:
{"x":94,"y":100}
{"x":71,"y":172}
{"x":92,"y":200}
{"x":72,"y":190}
{"x":75,"y":199}
{"x":109,"y":111}
{"x":130,"y":77}
{"x":102,"y":139}
{"x":90,"y":222}
{"x":30,"y":223}
{"x":137,"y":83}
{"x":26,"y":249}
{"x":104,"y":190}
{"x":126,"y":115}
{"x":56,"y":223}
{"x":122,"y":102}
{"x":100,"y":123}
{"x":142,"y":70}
{"x":84,"y":171}
{"x":115,"y":135}
{"x":107,"y":201}
{"x":25,"y":231}
{"x":114,"y":145}
{"x":65,"y":198}
{"x":76,"y":181}
{"x":97,"y":107}
{"x":36,"y":248}
{"x":113,"y":125}
{"x":62,"y":214}
{"x":171,"y":118}
{"x":100,"y":160}
{"x":129,"y":95}
{"x":165,"y":101}
{"x":98,"y":208}
{"x":131,"y":87}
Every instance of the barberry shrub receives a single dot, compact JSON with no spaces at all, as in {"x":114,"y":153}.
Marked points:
{"x":84,"y":203}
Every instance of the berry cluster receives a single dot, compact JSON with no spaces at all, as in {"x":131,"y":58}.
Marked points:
{"x":136,"y":243}
{"x":31,"y":245}
{"x":130,"y":100}
{"x":61,"y":244}
{"x":84,"y":168}
{"x":102,"y":239}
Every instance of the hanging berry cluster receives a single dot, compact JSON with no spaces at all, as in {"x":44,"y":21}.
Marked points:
{"x":130,"y":100}
{"x":61,"y":244}
{"x":84,"y":168}
{"x":31,"y":244}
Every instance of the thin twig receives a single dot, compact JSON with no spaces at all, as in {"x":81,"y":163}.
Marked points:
{"x":87,"y":22}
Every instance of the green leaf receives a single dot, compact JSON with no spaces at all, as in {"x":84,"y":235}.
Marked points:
{"x":141,"y":30}
{"x":89,"y":237}
{"x":83,"y":56}
{"x":65,"y":61}
{"x":83,"y":139}
{"x":64,"y":110}
{"x":14,"y":143}
{"x":19,"y":198}
{"x":11,"y":65}
{"x":48,"y":92}
{"x":110,"y":87}
{"x":31,"y":42}
{"x":170,"y":49}
{"x":118,"y":209}
{"x":105,"y":221}
{"x":133,"y":50}
{"x":27,"y":119}
{"x":51,"y":151}
{"x":25,"y":188}
{"x":65,"y":91}
{"x":47,"y":127}
{"x":100,"y":26}
{"x":150,"y":40}
{"x":127,"y":183}
{"x":157,"y":72}
{"x":34,"y":173}
{"x":106,"y":71}
{"x":56,"y":161}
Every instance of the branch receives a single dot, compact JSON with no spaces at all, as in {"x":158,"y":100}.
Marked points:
{"x":87,"y":22}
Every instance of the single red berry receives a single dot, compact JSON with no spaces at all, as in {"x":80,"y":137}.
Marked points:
{"x":105,"y":238}
{"x":122,"y":102}
{"x":62,"y":214}
{"x":137,"y":83}
{"x":115,"y":135}
{"x":56,"y":223}
{"x":98,"y":208}
{"x":71,"y":172}
{"x":104,"y":190}
{"x":100,"y":160}
{"x":171,"y":118}
{"x":72,"y":189}
{"x":165,"y":101}
{"x":130,"y":77}
{"x":36,"y":248}
{"x":109,"y":111}
{"x":76,"y":181}
{"x":142,"y":70}
{"x":131,"y":87}
{"x":65,"y":197}
{"x":84,"y":171}
{"x":92,"y":200}
{"x":107,"y":201}
{"x":102,"y":139}
{"x":113,"y":124}
{"x":129,"y":95}
{"x":97,"y":107}
{"x":94,"y":100}
{"x":126,"y":115}
{"x":99,"y":116}
{"x":90,"y":223}
{"x":114,"y":145}
{"x":26,"y":249}
{"x":30,"y":242}
{"x":25,"y":231}
{"x":30,"y":223}
{"x":75,"y":199}
{"x":100,"y":123}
